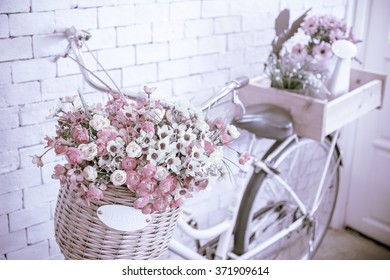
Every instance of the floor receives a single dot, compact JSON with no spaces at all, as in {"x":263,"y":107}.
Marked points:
{"x":350,"y":245}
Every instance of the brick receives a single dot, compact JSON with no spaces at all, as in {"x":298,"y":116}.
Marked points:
{"x":37,"y":251}
{"x":12,"y":162}
{"x":163,"y":91}
{"x":49,"y":5}
{"x":231,"y":58}
{"x":49,"y":45}
{"x":213,"y":44}
{"x":116,"y":16}
{"x":151,"y":53}
{"x":15,"y":48}
{"x":215,"y":79}
{"x":80,"y":18}
{"x":139,"y":74}
{"x":66,"y":66}
{"x":227,"y":25}
{"x":9,"y":118}
{"x":134,"y":34}
{"x":20,"y":179}
{"x":102,"y":39}
{"x":183,"y":48}
{"x":117,"y":58}
{"x":151,"y":12}
{"x":4,"y":27}
{"x":204,"y":63}
{"x":13,"y":241}
{"x":185,"y":10}
{"x":215,"y":8}
{"x":261,"y":38}
{"x":36,"y":113}
{"x":36,"y":196}
{"x":3,"y":225}
{"x":29,"y":217}
{"x":187,"y":84}
{"x":239,"y":41}
{"x":253,"y":22}
{"x":247,"y":6}
{"x":5,"y":73}
{"x":40,"y":232}
{"x":99,"y":3}
{"x":31,"y":23}
{"x":60,"y":87}
{"x":16,"y":6}
{"x":198,"y":27}
{"x":173,"y":69}
{"x":54,"y":250}
{"x":167,"y":31}
{"x":11,"y":202}
{"x":18,"y":94}
{"x":33,"y":69}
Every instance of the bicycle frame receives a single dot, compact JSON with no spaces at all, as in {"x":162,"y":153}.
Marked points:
{"x":225,"y":229}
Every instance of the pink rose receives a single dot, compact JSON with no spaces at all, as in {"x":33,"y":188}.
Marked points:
{"x":147,"y":186}
{"x":168,"y":185}
{"x":129,"y":163}
{"x":244,"y":157}
{"x":101,"y":147}
{"x":141,"y":202}
{"x":133,"y":179}
{"x":149,"y":170}
{"x":89,"y":151}
{"x":94,"y":194}
{"x":118,"y":177}
{"x":147,"y":127}
{"x":209,"y":146}
{"x":160,"y":204}
{"x":147,"y":209}
{"x":74,"y":155}
{"x":80,"y":135}
{"x":107,"y":135}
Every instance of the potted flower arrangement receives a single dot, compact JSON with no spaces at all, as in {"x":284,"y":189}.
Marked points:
{"x":307,"y":66}
{"x":146,"y":154}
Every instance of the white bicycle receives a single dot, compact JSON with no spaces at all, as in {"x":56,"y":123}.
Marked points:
{"x":284,"y":209}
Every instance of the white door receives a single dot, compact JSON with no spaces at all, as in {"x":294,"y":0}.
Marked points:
{"x":368,"y":208}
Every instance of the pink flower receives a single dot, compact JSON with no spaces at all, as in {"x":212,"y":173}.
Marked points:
{"x":299,"y":52}
{"x":168,"y":185}
{"x":160,"y":204}
{"x":118,"y":177}
{"x":37,"y":160}
{"x":59,"y":173}
{"x":74,"y":155}
{"x":101,"y":147}
{"x":133,"y":179}
{"x":335,"y":35}
{"x":129,"y":163}
{"x":107,"y":135}
{"x":149,"y":170}
{"x":322,"y":51}
{"x":147,"y":186}
{"x":244,"y":157}
{"x":225,"y":138}
{"x":80,"y":135}
{"x":148,"y":127}
{"x":219,"y":123}
{"x":147,"y":209}
{"x":310,"y":25}
{"x":209,"y":146}
{"x":141,"y":202}
{"x":94,"y":194}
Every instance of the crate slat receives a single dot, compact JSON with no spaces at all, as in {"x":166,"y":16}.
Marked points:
{"x":316,"y":118}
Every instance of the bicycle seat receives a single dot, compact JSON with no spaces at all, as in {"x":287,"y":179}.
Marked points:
{"x":266,"y":121}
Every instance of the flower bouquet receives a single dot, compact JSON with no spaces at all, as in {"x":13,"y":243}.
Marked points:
{"x":146,"y":154}
{"x":307,"y":66}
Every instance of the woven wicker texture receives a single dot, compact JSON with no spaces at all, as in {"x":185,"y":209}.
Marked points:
{"x":81,"y":235}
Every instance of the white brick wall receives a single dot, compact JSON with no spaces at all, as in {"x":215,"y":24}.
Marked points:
{"x":187,"y":48}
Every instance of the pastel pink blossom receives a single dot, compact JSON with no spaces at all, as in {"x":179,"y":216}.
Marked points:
{"x":74,"y":155}
{"x":148,"y":127}
{"x":146,"y":186}
{"x":37,"y":160}
{"x":149,"y":170}
{"x":225,"y":138}
{"x":168,"y":185}
{"x":132,"y":179}
{"x":147,"y":209}
{"x":94,"y":194}
{"x":141,"y":202}
{"x":299,"y":52}
{"x":129,"y":163}
{"x":107,"y":135}
{"x":310,"y":25}
{"x":80,"y":135}
{"x":118,"y":177}
{"x":209,"y":146}
{"x":160,"y":204}
{"x":322,"y":51}
{"x":101,"y":147}
{"x":219,"y":123}
{"x":244,"y":157}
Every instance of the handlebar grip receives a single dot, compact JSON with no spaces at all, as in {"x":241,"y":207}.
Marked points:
{"x":241,"y":81}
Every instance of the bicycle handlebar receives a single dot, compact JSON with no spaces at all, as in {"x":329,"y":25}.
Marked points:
{"x":76,"y":39}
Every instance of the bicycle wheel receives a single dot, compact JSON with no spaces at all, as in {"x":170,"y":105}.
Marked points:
{"x":267,"y":207}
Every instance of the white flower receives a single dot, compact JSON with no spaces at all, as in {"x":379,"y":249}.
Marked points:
{"x":155,"y":156}
{"x":202,"y":125}
{"x":133,"y":150}
{"x":192,"y":168}
{"x":198,"y":154}
{"x":118,"y":177}
{"x":164,"y":131}
{"x":216,"y":157}
{"x":115,"y":147}
{"x":89,"y":151}
{"x":187,"y":137}
{"x":90,"y":173}
{"x":161,"y":173}
{"x":233,"y":132}
{"x":173,"y":163}
{"x":99,"y":122}
{"x":156,"y":115}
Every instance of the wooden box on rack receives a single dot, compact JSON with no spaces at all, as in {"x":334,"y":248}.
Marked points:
{"x":316,"y":118}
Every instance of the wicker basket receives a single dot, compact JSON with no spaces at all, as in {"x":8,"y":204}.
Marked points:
{"x":81,"y":235}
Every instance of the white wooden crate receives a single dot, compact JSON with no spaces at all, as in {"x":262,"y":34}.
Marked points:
{"x":316,"y":118}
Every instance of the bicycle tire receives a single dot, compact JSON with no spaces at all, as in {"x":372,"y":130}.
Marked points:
{"x":264,"y":211}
